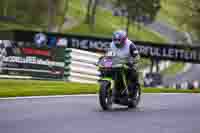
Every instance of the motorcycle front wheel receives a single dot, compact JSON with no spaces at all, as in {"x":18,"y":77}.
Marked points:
{"x":105,"y":95}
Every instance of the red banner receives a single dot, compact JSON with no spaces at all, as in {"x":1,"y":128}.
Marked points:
{"x":31,"y":51}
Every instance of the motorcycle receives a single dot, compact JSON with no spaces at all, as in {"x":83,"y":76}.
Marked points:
{"x":114,"y":84}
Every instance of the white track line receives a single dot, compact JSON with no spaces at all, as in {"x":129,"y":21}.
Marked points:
{"x":54,"y":96}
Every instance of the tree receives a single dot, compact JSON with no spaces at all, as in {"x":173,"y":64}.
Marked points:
{"x":62,"y":13}
{"x":139,"y":10}
{"x":189,"y":17}
{"x":43,"y":13}
{"x":51,"y":14}
{"x":87,"y":18}
{"x":91,"y":12}
{"x":5,"y":9}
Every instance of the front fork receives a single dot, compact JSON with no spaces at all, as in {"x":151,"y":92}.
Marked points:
{"x":112,"y":83}
{"x":125,"y":84}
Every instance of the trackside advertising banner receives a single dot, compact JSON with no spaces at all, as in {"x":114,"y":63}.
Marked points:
{"x":31,"y":59}
{"x":146,"y":49}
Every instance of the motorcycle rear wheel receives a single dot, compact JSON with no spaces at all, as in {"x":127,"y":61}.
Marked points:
{"x":134,"y":103}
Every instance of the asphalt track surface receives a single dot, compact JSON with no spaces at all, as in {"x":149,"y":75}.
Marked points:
{"x":174,"y":113}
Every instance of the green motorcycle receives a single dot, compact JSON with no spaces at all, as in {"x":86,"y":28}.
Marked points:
{"x":114,"y":85}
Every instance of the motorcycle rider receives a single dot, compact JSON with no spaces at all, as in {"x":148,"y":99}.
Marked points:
{"x":122,"y":47}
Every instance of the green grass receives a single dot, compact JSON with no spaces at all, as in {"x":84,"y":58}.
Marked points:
{"x":168,"y":90}
{"x":13,"y":88}
{"x":38,"y":88}
{"x":14,"y":26}
{"x":173,"y":69}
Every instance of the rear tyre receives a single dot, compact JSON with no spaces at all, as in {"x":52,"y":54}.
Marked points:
{"x":134,"y":103}
{"x":105,"y":95}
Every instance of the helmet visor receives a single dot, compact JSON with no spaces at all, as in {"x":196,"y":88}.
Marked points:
{"x":117,"y":43}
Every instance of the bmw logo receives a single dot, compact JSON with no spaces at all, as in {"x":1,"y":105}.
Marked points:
{"x":40,"y":39}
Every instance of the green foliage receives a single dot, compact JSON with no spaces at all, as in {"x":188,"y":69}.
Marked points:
{"x":189,"y":17}
{"x":137,"y":8}
{"x":106,"y":23}
{"x":33,"y":11}
{"x":173,"y":69}
{"x":170,"y":12}
{"x":183,"y":14}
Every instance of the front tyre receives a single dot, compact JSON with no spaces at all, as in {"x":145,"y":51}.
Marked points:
{"x":105,"y":95}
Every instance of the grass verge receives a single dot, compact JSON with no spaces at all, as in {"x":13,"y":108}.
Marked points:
{"x":13,"y":88}
{"x":42,"y":88}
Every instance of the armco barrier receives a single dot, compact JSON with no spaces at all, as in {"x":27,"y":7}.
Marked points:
{"x":80,"y":66}
{"x":67,"y":63}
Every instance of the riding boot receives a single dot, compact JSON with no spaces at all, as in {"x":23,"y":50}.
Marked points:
{"x":133,"y":88}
